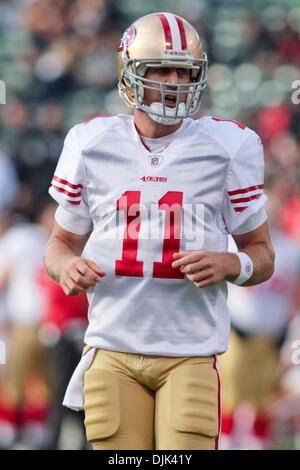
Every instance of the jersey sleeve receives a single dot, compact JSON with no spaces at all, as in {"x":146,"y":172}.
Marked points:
{"x":73,"y":223}
{"x":244,"y":191}
{"x":68,"y":186}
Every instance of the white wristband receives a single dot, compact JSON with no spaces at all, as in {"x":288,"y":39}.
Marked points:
{"x":246,"y":268}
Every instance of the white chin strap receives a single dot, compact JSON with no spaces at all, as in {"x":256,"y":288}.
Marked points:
{"x":170,"y":118}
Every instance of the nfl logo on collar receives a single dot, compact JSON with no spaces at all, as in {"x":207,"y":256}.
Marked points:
{"x":155,"y":161}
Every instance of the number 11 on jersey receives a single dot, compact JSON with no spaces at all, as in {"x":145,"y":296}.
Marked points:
{"x":171,"y":204}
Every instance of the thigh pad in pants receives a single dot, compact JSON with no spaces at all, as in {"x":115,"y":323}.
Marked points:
{"x":194,"y":400}
{"x":101,"y":404}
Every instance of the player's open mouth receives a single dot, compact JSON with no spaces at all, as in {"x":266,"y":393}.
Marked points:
{"x":170,"y":100}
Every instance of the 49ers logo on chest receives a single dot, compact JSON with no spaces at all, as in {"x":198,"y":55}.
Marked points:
{"x":127,"y":38}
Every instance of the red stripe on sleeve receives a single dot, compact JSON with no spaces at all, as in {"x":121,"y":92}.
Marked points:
{"x":167,"y":31}
{"x":182,"y":33}
{"x":73,"y":186}
{"x":61,"y":190}
{"x":240,"y":209}
{"x":75,"y":203}
{"x":245,"y":190}
{"x":245,"y":199}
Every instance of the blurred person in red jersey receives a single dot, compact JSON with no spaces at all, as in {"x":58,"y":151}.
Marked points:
{"x":290,"y":217}
{"x":26,"y":378}
{"x":273,"y":121}
{"x":288,"y":46}
{"x":63,"y":327}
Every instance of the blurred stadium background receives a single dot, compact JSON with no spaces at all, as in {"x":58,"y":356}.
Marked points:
{"x":58,"y":64}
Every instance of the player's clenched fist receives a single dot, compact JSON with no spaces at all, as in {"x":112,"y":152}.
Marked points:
{"x":79,"y":274}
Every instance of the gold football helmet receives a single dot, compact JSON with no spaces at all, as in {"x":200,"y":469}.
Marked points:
{"x":161,"y":40}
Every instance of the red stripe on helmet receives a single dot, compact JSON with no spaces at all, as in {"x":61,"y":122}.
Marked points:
{"x":167,"y":30}
{"x":182,"y":33}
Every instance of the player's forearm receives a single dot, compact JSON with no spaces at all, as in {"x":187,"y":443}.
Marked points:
{"x":57,"y":253}
{"x":262,"y":256}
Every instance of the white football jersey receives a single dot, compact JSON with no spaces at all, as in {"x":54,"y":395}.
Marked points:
{"x":145,"y":207}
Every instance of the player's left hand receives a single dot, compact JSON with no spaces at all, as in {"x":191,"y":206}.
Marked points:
{"x":205,"y":268}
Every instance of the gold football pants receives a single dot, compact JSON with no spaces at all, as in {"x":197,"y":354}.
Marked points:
{"x":135,"y":401}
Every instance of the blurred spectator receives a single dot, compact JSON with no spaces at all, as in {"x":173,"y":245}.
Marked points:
{"x":9,"y":187}
{"x":289,"y":46}
{"x":46,"y":18}
{"x":8,"y":182}
{"x":22,"y":413}
{"x":285,"y":410}
{"x":62,"y":331}
{"x":273,"y":121}
{"x":250,"y":370}
{"x":290,"y":217}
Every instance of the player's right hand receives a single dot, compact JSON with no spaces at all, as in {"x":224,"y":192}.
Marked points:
{"x":78,"y":274}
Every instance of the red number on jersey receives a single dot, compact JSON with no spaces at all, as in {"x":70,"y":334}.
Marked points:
{"x":128,"y":265}
{"x":171,"y":203}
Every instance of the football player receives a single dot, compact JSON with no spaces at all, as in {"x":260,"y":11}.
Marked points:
{"x":151,"y":198}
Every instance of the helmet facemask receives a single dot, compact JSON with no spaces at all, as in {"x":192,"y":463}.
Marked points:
{"x":133,"y":76}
